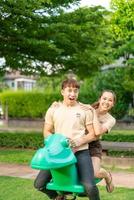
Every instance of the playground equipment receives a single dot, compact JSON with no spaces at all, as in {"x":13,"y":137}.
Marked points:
{"x":58,"y":157}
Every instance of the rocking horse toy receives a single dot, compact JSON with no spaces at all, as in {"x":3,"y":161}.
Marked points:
{"x":58,"y":157}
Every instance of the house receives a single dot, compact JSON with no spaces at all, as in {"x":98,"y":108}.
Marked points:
{"x":15,"y":80}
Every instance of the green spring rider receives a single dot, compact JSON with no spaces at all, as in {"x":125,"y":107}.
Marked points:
{"x":58,"y":157}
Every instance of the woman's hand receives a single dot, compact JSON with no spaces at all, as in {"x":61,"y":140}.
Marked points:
{"x":86,"y":107}
{"x":55,"y":104}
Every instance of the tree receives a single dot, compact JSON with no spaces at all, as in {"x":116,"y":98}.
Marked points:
{"x":84,"y":39}
{"x":123,"y":35}
{"x":39,"y":36}
{"x":123,"y":27}
{"x":23,"y":24}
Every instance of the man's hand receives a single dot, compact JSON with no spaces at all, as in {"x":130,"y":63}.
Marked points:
{"x":74,"y":143}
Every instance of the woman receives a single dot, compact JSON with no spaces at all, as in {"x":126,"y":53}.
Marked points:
{"x":102,"y":107}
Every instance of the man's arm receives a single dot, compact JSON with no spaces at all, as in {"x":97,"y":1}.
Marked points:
{"x":92,"y":132}
{"x":89,"y":137}
{"x":48,"y":130}
{"x":48,"y":124}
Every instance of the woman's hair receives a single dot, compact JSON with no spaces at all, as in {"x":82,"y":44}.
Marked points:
{"x":95,"y":105}
{"x":70,"y":83}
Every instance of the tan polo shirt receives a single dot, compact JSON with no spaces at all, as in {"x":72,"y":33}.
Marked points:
{"x":70,"y":121}
{"x":107,"y":121}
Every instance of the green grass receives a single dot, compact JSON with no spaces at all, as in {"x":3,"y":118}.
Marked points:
{"x":18,"y":156}
{"x":18,"y":189}
{"x":22,"y":189}
{"x":24,"y":156}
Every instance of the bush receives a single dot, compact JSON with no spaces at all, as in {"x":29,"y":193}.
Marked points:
{"x":119,"y":136}
{"x":35,"y":140}
{"x":21,"y":140}
{"x":27,"y":104}
{"x":121,"y":153}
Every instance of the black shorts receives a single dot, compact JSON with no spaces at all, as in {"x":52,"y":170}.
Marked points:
{"x":95,"y":149}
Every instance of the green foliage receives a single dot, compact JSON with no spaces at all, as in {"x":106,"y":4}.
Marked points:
{"x":121,"y":153}
{"x":40,"y":37}
{"x":123,"y":18}
{"x":116,"y":136}
{"x":24,"y":32}
{"x":49,"y":84}
{"x":32,"y":140}
{"x":122,"y":23}
{"x":21,"y":140}
{"x":83,"y":38}
{"x":27,"y":104}
{"x":131,"y":112}
{"x":87,"y":93}
{"x":129,"y":78}
{"x":3,"y":86}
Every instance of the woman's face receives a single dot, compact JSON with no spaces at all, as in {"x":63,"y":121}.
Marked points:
{"x":106,"y":101}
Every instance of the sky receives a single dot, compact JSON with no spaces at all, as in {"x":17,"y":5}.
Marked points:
{"x":104,"y":3}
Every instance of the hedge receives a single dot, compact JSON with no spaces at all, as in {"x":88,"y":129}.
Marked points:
{"x":21,"y":140}
{"x":119,"y":136}
{"x":23,"y":104}
{"x":35,"y":140}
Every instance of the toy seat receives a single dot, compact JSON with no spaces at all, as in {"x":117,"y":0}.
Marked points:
{"x":58,"y":157}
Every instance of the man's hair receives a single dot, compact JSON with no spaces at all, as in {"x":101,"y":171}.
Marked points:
{"x":70,"y":83}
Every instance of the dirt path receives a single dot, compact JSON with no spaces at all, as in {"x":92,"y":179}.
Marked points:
{"x":120,"y":179}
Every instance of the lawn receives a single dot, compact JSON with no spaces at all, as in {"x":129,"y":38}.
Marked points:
{"x":22,"y":189}
{"x":18,"y":156}
{"x":24,"y":156}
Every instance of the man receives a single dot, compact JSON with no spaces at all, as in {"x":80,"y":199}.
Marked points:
{"x":74,"y":122}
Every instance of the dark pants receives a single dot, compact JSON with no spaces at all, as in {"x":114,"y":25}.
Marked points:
{"x":85,"y":172}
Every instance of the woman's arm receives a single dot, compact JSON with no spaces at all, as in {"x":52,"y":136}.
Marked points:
{"x":96,"y":124}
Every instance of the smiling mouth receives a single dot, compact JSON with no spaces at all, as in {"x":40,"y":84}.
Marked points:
{"x":105,"y":106}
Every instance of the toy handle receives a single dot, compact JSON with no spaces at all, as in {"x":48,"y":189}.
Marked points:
{"x":65,"y":142}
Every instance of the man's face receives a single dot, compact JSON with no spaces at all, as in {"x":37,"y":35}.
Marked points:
{"x":70,"y":95}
